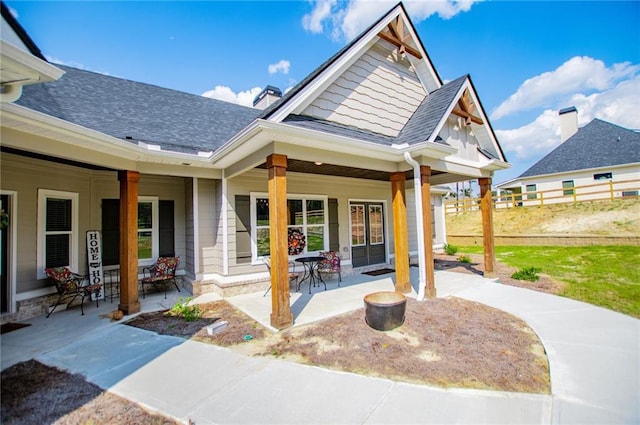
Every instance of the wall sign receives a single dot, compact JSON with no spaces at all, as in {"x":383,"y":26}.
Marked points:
{"x":94,"y":260}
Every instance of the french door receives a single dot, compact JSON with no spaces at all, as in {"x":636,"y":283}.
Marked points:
{"x":368,"y":240}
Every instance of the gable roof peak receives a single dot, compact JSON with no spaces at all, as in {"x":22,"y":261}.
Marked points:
{"x":292,"y":102}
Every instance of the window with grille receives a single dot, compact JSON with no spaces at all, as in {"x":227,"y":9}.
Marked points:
{"x":567,"y":187}
{"x":57,"y":230}
{"x":306,"y":214}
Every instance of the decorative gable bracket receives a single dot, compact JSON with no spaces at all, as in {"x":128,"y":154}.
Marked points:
{"x":465,"y":109}
{"x":395,"y":34}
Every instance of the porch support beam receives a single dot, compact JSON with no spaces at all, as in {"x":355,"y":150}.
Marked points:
{"x":486,"y":206}
{"x":430,"y":288}
{"x":129,"y":302}
{"x":400,"y":231}
{"x":281,"y":316}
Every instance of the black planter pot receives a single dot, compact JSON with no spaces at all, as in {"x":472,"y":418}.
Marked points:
{"x":385,"y":310}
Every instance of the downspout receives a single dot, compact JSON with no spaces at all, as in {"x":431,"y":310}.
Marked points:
{"x":417,"y":188}
{"x":225,"y":224}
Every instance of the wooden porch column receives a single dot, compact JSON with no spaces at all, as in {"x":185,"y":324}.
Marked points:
{"x":425,"y":174}
{"x":400,"y":231}
{"x":486,"y":206}
{"x":129,"y":302}
{"x":281,"y":316}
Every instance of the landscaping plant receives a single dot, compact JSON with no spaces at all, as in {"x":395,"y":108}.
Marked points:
{"x":188,"y":312}
{"x":527,"y":273}
{"x":450,"y":249}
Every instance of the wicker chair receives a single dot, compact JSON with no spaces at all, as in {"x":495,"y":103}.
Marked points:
{"x":70,"y":286}
{"x":161,"y":273}
{"x":331,"y":264}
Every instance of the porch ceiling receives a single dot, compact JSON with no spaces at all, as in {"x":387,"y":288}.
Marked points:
{"x":309,"y":167}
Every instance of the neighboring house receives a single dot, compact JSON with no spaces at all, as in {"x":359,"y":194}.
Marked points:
{"x":164,"y":173}
{"x":598,"y":161}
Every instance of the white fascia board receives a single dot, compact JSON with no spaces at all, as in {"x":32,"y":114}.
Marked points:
{"x":338,"y":143}
{"x":261,"y":132}
{"x":495,"y":165}
{"x":33,"y":68}
{"x":74,"y":134}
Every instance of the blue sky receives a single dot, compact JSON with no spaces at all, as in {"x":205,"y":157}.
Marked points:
{"x":526,"y":59}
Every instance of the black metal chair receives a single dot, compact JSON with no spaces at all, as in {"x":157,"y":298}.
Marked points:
{"x":162,"y":273}
{"x":70,"y":286}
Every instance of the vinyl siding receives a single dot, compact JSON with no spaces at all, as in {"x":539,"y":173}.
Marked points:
{"x":26,"y":176}
{"x":377,"y":93}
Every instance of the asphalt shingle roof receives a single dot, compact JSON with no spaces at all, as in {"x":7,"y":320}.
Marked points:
{"x":134,"y":111}
{"x":597,"y":144}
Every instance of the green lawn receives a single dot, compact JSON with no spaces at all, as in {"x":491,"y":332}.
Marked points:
{"x":607,"y":276}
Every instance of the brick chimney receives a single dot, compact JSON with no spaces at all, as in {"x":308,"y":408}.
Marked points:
{"x":568,"y":122}
{"x":267,"y":97}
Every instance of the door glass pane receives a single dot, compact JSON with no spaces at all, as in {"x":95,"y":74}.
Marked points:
{"x":375,"y":225}
{"x":315,"y":238}
{"x":357,"y":225}
{"x":315,"y":211}
{"x":294,"y":209}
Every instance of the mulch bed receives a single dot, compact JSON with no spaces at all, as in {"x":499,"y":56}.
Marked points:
{"x":34,"y":393}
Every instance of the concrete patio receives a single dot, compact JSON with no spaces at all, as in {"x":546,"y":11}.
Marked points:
{"x":593,"y":356}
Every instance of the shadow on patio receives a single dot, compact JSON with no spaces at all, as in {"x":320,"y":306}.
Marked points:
{"x":320,"y":304}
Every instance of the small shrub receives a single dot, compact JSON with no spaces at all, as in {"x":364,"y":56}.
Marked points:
{"x":528,"y":273}
{"x":450,"y":249}
{"x":464,"y":259}
{"x":188,"y":312}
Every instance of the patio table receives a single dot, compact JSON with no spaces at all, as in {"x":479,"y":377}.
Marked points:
{"x":311,"y":273}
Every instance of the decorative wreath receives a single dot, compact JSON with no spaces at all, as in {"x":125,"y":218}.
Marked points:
{"x":297,"y":242}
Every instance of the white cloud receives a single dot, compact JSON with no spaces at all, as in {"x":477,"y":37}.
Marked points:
{"x":580,"y":73}
{"x":618,"y":105}
{"x":244,"y":98}
{"x":345,"y":20}
{"x":282,"y":66}
{"x":312,"y":22}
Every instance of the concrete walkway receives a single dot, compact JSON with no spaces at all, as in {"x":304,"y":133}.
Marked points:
{"x":594,"y":359}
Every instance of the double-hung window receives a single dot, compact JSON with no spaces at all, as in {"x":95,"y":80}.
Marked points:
{"x":531,"y":191}
{"x":147,"y":229}
{"x":567,"y":187}
{"x":306,"y":214}
{"x":57,"y":230}
{"x":156,"y":233}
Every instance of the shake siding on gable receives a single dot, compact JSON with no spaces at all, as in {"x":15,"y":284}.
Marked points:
{"x":377,"y":93}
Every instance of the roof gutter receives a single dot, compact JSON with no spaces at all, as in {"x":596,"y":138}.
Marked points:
{"x":422,"y":264}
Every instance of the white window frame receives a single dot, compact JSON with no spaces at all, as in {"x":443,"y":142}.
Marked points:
{"x":255,"y":259}
{"x":43,"y":195}
{"x":155,"y":231}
